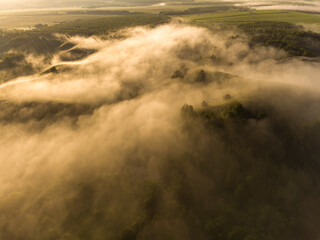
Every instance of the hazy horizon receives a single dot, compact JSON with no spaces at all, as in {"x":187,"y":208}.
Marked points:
{"x":47,"y":4}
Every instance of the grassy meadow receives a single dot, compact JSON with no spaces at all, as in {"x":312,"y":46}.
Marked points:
{"x":306,"y":19}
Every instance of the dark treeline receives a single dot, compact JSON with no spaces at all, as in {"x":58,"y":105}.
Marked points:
{"x":199,"y":10}
{"x":295,"y":40}
{"x":104,"y":12}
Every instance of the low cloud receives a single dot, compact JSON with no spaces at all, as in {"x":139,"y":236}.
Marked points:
{"x":90,"y":137}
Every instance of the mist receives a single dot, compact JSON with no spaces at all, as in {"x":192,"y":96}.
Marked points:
{"x":118,"y":145}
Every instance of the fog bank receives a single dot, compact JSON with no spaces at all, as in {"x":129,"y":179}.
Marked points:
{"x":102,"y":149}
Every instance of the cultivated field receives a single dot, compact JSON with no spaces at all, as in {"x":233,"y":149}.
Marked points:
{"x":28,"y":18}
{"x":308,"y":20}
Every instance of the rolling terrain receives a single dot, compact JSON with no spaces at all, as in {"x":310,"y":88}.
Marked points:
{"x":180,"y":121}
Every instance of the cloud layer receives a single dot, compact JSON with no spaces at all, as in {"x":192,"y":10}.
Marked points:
{"x":91,"y":135}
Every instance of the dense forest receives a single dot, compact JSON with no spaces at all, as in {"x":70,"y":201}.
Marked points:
{"x":245,"y":170}
{"x":295,"y":40}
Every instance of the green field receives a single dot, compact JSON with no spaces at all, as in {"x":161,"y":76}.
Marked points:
{"x":305,"y":19}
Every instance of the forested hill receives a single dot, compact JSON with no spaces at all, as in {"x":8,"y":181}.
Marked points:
{"x":16,"y":45}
